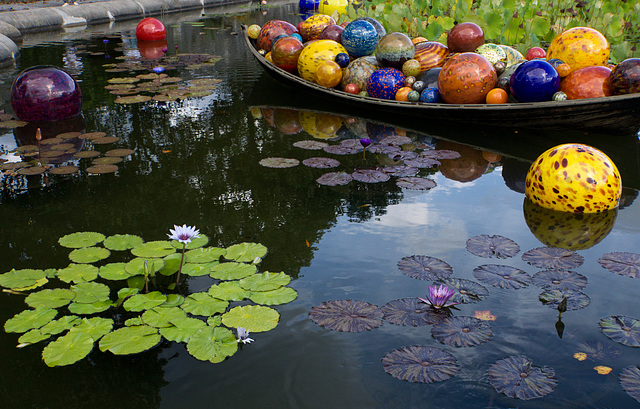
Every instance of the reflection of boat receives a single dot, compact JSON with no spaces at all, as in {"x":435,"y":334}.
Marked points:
{"x":616,"y":113}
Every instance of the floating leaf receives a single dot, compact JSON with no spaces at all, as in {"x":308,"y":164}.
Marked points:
{"x":419,"y":363}
{"x":575,"y":299}
{"x":467,"y":291}
{"x":370,"y":176}
{"x":232,"y":271}
{"x":153,"y":249}
{"x":492,"y":246}
{"x":597,"y":350}
{"x":422,"y":163}
{"x":30,"y":319}
{"x":32,"y":337}
{"x":89,"y":293}
{"x":310,"y":145}
{"x":229,"y":291}
{"x":623,"y":263}
{"x":345,"y":315}
{"x":412,"y":311}
{"x":100,"y":169}
{"x":462,"y":331}
{"x":161,"y":317}
{"x":23,"y":279}
{"x":245,"y":252}
{"x":63,"y":170}
{"x":281,"y":295}
{"x":484,"y":315}
{"x":78,"y":273}
{"x":402,"y":171}
{"x":114,"y":271}
{"x":137,"y":266}
{"x":130,"y":340}
{"x":580,"y":356}
{"x":553,"y":258}
{"x":67,"y":349}
{"x":559,"y":280}
{"x":279,"y":162}
{"x":61,"y":324}
{"x":34,"y":170}
{"x":120,"y":242}
{"x":51,"y":298}
{"x":88,"y":255}
{"x":171,"y":264}
{"x":204,"y":255}
{"x":622,"y":329}
{"x":197,"y":269}
{"x":415,"y":183}
{"x":265,"y":282}
{"x":182,"y":329}
{"x":516,"y":377}
{"x":334,"y":179}
{"x":140,"y":302}
{"x":630,"y":381}
{"x":87,"y":309}
{"x":120,"y":152}
{"x":134,"y":99}
{"x":321,"y":163}
{"x":212,"y":344}
{"x":502,"y":276}
{"x":173,"y":300}
{"x":203,"y":304}
{"x":254,"y":318}
{"x":81,"y":239}
{"x":96,"y":327}
{"x":602,"y":370}
{"x":425,"y":268}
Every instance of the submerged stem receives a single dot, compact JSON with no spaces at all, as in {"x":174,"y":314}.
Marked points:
{"x":184,"y":246}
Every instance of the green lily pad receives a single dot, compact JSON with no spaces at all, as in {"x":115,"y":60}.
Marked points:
{"x":212,"y":344}
{"x":67,"y":349}
{"x":173,"y":300}
{"x":161,"y":317}
{"x":203,"y":304}
{"x":120,"y":242}
{"x":214,"y":321}
{"x":81,"y":239}
{"x":88,"y":255}
{"x":254,"y":318}
{"x":61,"y":324}
{"x":87,"y":309}
{"x":281,"y":295}
{"x":246,"y":252}
{"x":204,"y":255}
{"x":30,"y":319}
{"x":127,"y":292}
{"x":197,"y":269}
{"x":136,"y":266}
{"x":114,"y":271}
{"x":153,"y":249}
{"x":132,"y":322}
{"x":198,"y":242}
{"x":31,"y":337}
{"x":182,"y":329}
{"x":89,"y":293}
{"x":228,"y":290}
{"x":52,"y":298}
{"x":78,"y":273}
{"x":23,"y":279}
{"x":265,"y":282}
{"x":232,"y":271}
{"x":171,"y":264}
{"x":96,"y":327}
{"x":130,"y":340}
{"x":140,"y":302}
{"x":136,"y":282}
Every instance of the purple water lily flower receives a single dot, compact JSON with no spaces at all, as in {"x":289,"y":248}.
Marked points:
{"x":365,"y":142}
{"x":158,"y":70}
{"x":184,"y":234}
{"x":438,"y":297}
{"x":243,"y":336}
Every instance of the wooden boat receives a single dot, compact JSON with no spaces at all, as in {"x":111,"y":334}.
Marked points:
{"x":615,"y":114}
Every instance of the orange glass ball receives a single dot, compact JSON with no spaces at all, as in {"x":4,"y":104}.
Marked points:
{"x":328,"y":74}
{"x":466,"y":78}
{"x":587,"y":82}
{"x":497,"y":96}
{"x":430,"y":54}
{"x":401,"y":94}
{"x":580,"y":47}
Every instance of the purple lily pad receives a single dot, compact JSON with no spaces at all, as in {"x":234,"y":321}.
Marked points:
{"x":441,"y":154}
{"x":395,"y":140}
{"x":321,"y":163}
{"x":467,"y":291}
{"x":462,"y":331}
{"x":559,"y":280}
{"x":402,"y":155}
{"x":401,"y":170}
{"x":622,"y":329}
{"x":416,"y":183}
{"x":341,"y":150}
{"x":419,"y":363}
{"x":502,"y":276}
{"x":310,"y":145}
{"x":516,"y":377}
{"x":553,"y":258}
{"x":630,"y":381}
{"x":425,"y":268}
{"x":334,"y":179}
{"x":347,"y":315}
{"x":370,"y":176}
{"x":279,"y":162}
{"x":623,"y":263}
{"x":576,"y":300}
{"x":384,"y":149}
{"x":422,"y":163}
{"x":411,"y":311}
{"x":492,"y":246}
{"x":597,"y":350}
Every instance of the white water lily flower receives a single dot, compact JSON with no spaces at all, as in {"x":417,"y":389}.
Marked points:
{"x":243,"y":336}
{"x":184,"y":234}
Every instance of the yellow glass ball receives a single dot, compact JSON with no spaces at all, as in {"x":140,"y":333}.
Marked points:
{"x":315,"y":53}
{"x":580,"y":47}
{"x":328,"y":74}
{"x":574,"y":178}
{"x":253,"y":31}
{"x":329,"y":6}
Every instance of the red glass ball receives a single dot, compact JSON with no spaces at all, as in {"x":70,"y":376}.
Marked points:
{"x":150,"y":29}
{"x":285,"y":53}
{"x":587,"y":82}
{"x":352,"y":88}
{"x":535,"y":52}
{"x":465,"y":37}
{"x":466,"y":79}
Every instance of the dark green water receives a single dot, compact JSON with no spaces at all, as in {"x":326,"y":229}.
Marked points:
{"x":197,"y":162}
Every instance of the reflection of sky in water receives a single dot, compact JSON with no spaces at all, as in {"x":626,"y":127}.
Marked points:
{"x":8,"y":144}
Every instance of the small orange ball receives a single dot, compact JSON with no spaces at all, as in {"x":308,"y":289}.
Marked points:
{"x":402,"y":93}
{"x":328,"y":74}
{"x":497,"y":96}
{"x":563,"y":70}
{"x":417,"y":40}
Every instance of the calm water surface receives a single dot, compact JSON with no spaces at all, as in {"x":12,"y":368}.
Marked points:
{"x":196,"y":162}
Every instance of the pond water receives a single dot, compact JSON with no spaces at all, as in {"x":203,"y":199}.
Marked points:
{"x":196,"y":161}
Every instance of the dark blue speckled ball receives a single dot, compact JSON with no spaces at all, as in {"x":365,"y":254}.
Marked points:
{"x":430,"y":95}
{"x":360,"y":38}
{"x":384,"y":83}
{"x":342,"y":59}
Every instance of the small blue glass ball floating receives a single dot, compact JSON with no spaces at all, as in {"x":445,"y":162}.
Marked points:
{"x":308,"y":5}
{"x":430,"y":95}
{"x":384,"y":83}
{"x":534,"y":81}
{"x":360,"y":38}
{"x":45,"y":94}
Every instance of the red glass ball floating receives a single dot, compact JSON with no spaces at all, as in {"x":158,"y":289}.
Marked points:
{"x":45,"y":94}
{"x":150,"y":29}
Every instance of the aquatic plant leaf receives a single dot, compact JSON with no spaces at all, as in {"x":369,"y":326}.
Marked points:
{"x":232,"y":271}
{"x":132,"y":322}
{"x":246,"y":252}
{"x":137,"y":265}
{"x":422,"y":163}
{"x":342,"y":149}
{"x":120,"y":242}
{"x":402,"y":171}
{"x":114,"y":271}
{"x":161,"y":317}
{"x":254,"y":318}
{"x":425,"y":267}
{"x":416,"y":183}
{"x":87,"y":154}
{"x":173,"y":300}
{"x":204,"y":255}
{"x":310,"y":145}
{"x":214,"y":321}
{"x":420,"y":363}
{"x":24,"y":279}
{"x":502,"y":276}
{"x":559,"y":280}
{"x":462,"y":331}
{"x":87,"y":255}
{"x":203,"y":304}
{"x":467,"y":291}
{"x":370,"y":176}
{"x":334,"y":179}
{"x":281,"y":163}
{"x":171,"y":264}
{"x":89,"y":293}
{"x":622,"y":329}
{"x":281,"y":295}
{"x":265,"y":281}
{"x":32,"y":337}
{"x":52,"y":298}
{"x":121,"y":152}
{"x":63,"y":170}
{"x":553,"y":258}
{"x":412,"y":311}
{"x":622,"y":263}
{"x":576,"y":300}
{"x":130,"y":340}
{"x":346,"y":315}
{"x":81,"y":239}
{"x":78,"y":273}
{"x":68,"y":349}
{"x":492,"y":246}
{"x":30,"y":319}
{"x":516,"y":377}
{"x":484,"y":315}
{"x":195,"y":243}
{"x":60,"y":325}
{"x":212,"y":344}
{"x":140,"y":302}
{"x":96,"y":327}
{"x":159,"y":248}
{"x":197,"y":269}
{"x":321,"y":163}
{"x":182,"y":329}
{"x":630,"y":381}
{"x":229,"y":291}
{"x":93,"y":308}
{"x":133,"y":99}
{"x":440,"y":154}
{"x":597,"y":350}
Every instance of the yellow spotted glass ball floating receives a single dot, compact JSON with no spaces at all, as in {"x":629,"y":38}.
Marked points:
{"x":574,"y":178}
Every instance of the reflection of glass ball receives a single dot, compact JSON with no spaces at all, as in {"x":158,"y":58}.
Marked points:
{"x":51,"y":152}
{"x":45,"y":93}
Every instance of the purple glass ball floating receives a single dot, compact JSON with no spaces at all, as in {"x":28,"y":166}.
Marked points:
{"x":534,"y":81}
{"x":45,"y":94}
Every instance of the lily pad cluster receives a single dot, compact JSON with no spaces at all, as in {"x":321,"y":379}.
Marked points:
{"x":127,"y":307}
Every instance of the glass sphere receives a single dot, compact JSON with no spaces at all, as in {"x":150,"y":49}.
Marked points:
{"x":150,"y":29}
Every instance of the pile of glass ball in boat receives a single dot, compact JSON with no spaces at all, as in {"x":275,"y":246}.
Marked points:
{"x":359,"y":57}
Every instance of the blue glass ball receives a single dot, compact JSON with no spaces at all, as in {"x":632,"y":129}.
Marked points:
{"x":360,"y":38}
{"x":430,"y":95}
{"x":534,"y":81}
{"x":384,"y":83}
{"x":297,"y":36}
{"x":306,"y":5}
{"x":342,"y":60}
{"x":379,"y":27}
